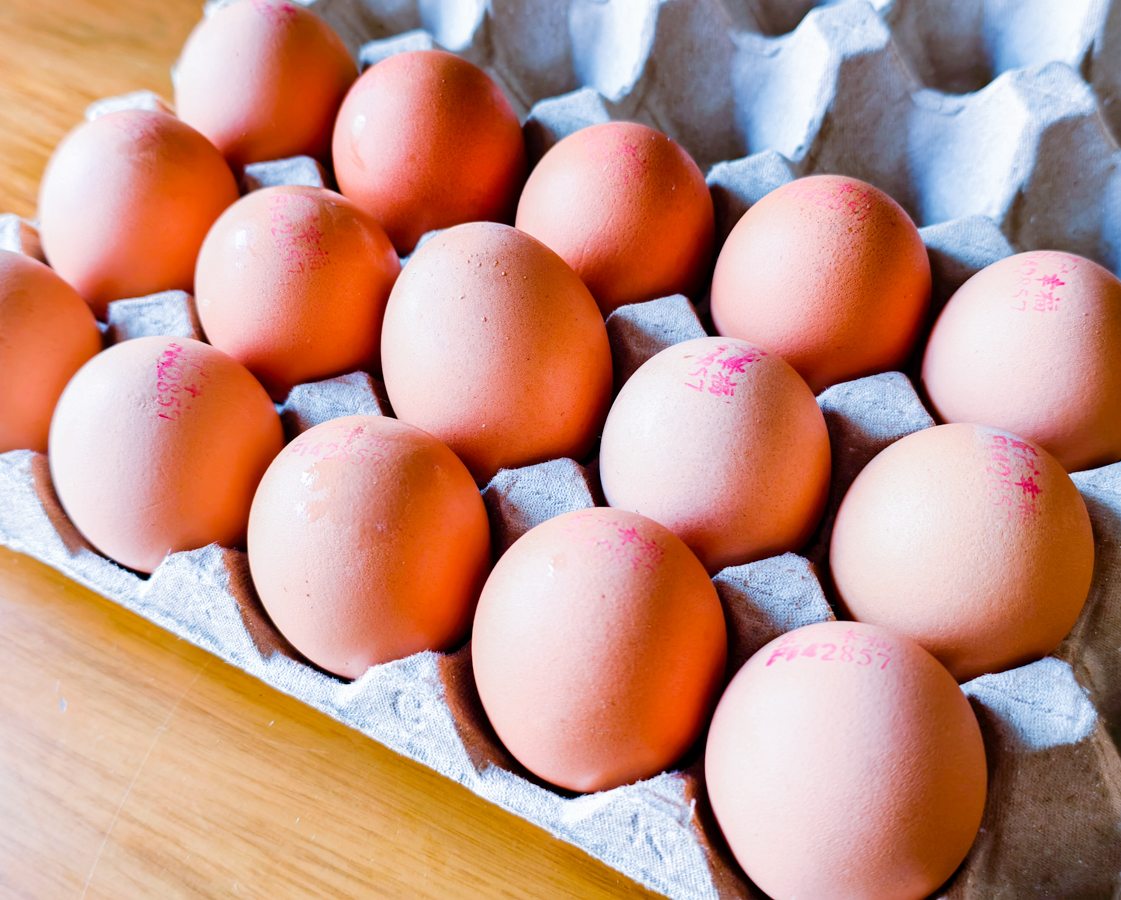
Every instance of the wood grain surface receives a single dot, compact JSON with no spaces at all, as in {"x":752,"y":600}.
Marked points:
{"x":133,"y":764}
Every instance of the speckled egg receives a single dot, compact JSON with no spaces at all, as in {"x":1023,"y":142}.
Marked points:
{"x":627,"y":208}
{"x":844,"y":762}
{"x":47,"y":333}
{"x":829,"y":273}
{"x":426,"y":140}
{"x":1032,"y":344}
{"x":368,"y":541}
{"x":125,"y":203}
{"x":724,"y":444}
{"x":492,"y":344}
{"x":971,"y":541}
{"x":598,"y":648}
{"x":157,"y":445}
{"x":292,"y":282}
{"x":262,"y":80}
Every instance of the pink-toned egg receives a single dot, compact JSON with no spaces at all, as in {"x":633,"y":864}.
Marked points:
{"x":598,"y":648}
{"x":368,"y":541}
{"x":971,"y":541}
{"x":843,"y":761}
{"x":828,"y":272}
{"x":125,"y":203}
{"x":292,"y":282}
{"x":492,"y":344}
{"x":426,"y":140}
{"x":47,"y":333}
{"x":724,"y":444}
{"x":627,"y":208}
{"x":157,"y":445}
{"x":262,"y":80}
{"x":1032,"y":344}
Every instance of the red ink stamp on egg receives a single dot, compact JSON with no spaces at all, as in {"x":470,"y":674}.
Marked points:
{"x":137,"y":124}
{"x":615,"y":541}
{"x":179,"y":379}
{"x":617,"y":160}
{"x":353,"y":446}
{"x":276,"y":12}
{"x":1040,"y":278}
{"x":834,"y":195}
{"x":855,"y":647}
{"x":1011,"y":467}
{"x":298,"y":241}
{"x":713,"y":374}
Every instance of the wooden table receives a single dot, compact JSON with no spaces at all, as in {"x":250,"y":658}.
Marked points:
{"x":133,"y":764}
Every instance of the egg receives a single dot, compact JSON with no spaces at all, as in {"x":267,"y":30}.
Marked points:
{"x":627,"y":208}
{"x":47,"y":333}
{"x":263,"y":80}
{"x":724,"y":444}
{"x":598,"y":649}
{"x":368,"y":541}
{"x":1032,"y":344}
{"x":494,"y":346}
{"x":125,"y":203}
{"x":425,"y":140}
{"x":157,"y":445}
{"x":828,"y":272}
{"x":292,"y":282}
{"x":843,"y":761}
{"x":971,"y":541}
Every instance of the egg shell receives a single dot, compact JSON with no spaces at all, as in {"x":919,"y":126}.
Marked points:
{"x":264,"y":80}
{"x":843,"y":761}
{"x":724,"y":444}
{"x":292,"y":282}
{"x":627,"y":208}
{"x":47,"y":333}
{"x":368,"y":542}
{"x":426,"y":140}
{"x":828,"y":272}
{"x":971,"y":541}
{"x":1032,"y":344}
{"x":598,"y":648}
{"x":157,"y":445}
{"x":494,"y":346}
{"x":125,"y":203}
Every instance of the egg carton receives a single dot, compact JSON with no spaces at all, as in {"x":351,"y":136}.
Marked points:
{"x":992,"y":122}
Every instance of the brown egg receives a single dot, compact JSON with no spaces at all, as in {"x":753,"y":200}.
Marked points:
{"x":723,"y":444}
{"x":971,"y":541}
{"x":292,"y":282}
{"x":368,"y":541}
{"x":157,"y":445}
{"x":829,"y":273}
{"x":844,"y":762}
{"x":125,"y":203}
{"x":426,"y":140}
{"x":627,"y":208}
{"x":492,"y":344}
{"x":598,"y":649}
{"x":263,"y":80}
{"x":47,"y":333}
{"x":1032,"y":344}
